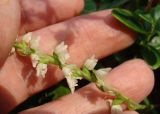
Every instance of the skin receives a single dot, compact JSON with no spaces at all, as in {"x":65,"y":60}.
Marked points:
{"x":96,"y":34}
{"x":35,"y":17}
{"x":10,"y":22}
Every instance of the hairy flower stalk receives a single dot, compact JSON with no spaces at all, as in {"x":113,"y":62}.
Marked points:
{"x":29,"y":47}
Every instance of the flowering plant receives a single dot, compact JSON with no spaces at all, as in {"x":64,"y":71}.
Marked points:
{"x":29,"y":46}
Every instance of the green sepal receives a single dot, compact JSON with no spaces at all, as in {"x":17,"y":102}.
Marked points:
{"x":117,"y":101}
{"x":56,"y":60}
{"x":131,"y":104}
{"x":101,"y":85}
{"x":88,"y":75}
{"x":23,"y":49}
{"x":47,"y":59}
{"x":77,"y":72}
{"x":135,"y":106}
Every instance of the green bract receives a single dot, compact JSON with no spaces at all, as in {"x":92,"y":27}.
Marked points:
{"x":23,"y":48}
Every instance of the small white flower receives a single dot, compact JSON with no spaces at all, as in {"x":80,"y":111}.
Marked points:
{"x":62,"y":52}
{"x":91,"y":63}
{"x":71,"y":80}
{"x":72,"y":83}
{"x":102,"y":72}
{"x":12,"y":50}
{"x":34,"y":43}
{"x":116,"y":109}
{"x":27,"y":37}
{"x":41,"y":69}
{"x":68,"y":70}
{"x":35,"y":59}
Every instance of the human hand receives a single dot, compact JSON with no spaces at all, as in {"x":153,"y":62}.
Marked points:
{"x":96,"y":34}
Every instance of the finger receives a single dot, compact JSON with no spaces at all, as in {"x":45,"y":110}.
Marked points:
{"x":130,"y":112}
{"x":136,"y":84}
{"x":9,"y":21}
{"x":97,"y":34}
{"x":39,"y":13}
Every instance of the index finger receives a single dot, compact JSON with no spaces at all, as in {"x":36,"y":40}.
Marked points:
{"x":98,"y":34}
{"x":37,"y":14}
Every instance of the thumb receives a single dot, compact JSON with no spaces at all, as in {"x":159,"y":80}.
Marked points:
{"x":9,"y":25}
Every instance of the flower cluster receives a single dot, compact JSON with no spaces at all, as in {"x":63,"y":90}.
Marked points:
{"x":28,"y":46}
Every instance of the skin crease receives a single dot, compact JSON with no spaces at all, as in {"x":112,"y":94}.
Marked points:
{"x":21,"y":75}
{"x":9,"y":21}
{"x":35,"y":17}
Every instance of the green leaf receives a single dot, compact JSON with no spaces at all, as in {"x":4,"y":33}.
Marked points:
{"x":90,"y":6}
{"x":120,"y":57}
{"x":111,"y":4}
{"x":158,"y":27}
{"x":59,"y":92}
{"x":151,"y":56}
{"x":155,"y":42}
{"x":146,"y":17}
{"x":128,"y":18}
{"x":156,"y":12}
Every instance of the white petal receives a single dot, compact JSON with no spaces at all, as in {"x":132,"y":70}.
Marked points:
{"x":116,"y":109}
{"x":72,"y":83}
{"x":102,"y":72}
{"x":35,"y":59}
{"x":41,"y":69}
{"x":27,"y":37}
{"x":34,"y":42}
{"x":71,"y":80}
{"x":62,"y":52}
{"x":91,"y":63}
{"x":67,"y":70}
{"x":12,"y":51}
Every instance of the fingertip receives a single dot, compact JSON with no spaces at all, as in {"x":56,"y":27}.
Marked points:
{"x":80,"y":6}
{"x":134,"y":78}
{"x":130,"y":112}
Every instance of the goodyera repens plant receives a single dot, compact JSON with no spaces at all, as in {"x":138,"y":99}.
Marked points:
{"x":28,"y":46}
